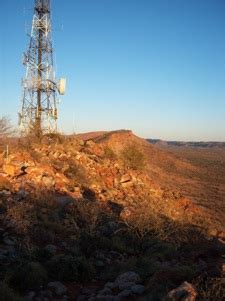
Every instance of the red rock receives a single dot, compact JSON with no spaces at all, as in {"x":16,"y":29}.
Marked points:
{"x":10,"y":170}
{"x":125,"y":178}
{"x":185,"y":292}
{"x":4,"y":183}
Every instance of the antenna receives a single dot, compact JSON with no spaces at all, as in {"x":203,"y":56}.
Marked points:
{"x":39,"y":111}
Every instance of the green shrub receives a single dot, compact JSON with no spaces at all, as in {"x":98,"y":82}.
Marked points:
{"x":133,"y":157}
{"x":144,"y":266}
{"x":7,"y":294}
{"x":186,"y":272}
{"x":88,"y":215}
{"x":162,"y":250}
{"x":85,"y":269}
{"x":118,"y":244}
{"x":156,"y":292}
{"x":63,"y":268}
{"x":69,"y":268}
{"x":88,"y":243}
{"x":174,"y":276}
{"x":122,"y":245}
{"x":41,"y":255}
{"x":53,"y":227}
{"x":109,"y":153}
{"x":29,"y":276}
{"x":103,"y":243}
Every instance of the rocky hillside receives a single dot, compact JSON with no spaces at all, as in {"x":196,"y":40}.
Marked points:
{"x":204,"y":182}
{"x":86,"y":218}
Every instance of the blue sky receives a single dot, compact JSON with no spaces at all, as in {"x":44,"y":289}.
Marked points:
{"x":154,"y":66}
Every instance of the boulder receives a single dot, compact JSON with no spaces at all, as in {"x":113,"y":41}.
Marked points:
{"x":110,"y":285}
{"x":105,"y":291}
{"x":223,"y":269}
{"x":21,"y":195}
{"x":30,"y":296}
{"x":125,"y":285}
{"x":125,"y":293}
{"x":185,"y":292}
{"x":63,"y":200}
{"x":4,"y":184}
{"x":125,"y":178}
{"x":103,"y":298}
{"x":138,"y":289}
{"x":58,"y":287}
{"x":5,"y":193}
{"x":52,"y":249}
{"x":90,"y":143}
{"x":8,"y":241}
{"x":127,"y":184}
{"x":10,"y":169}
{"x":48,"y":181}
{"x":128,"y":277}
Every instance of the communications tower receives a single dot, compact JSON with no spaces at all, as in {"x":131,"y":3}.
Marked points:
{"x":39,"y":111}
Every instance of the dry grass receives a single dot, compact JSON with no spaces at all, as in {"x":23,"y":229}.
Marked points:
{"x":155,"y":217}
{"x":210,"y":289}
{"x":198,"y":173}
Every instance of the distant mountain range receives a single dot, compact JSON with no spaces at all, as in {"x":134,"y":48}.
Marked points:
{"x":202,"y":144}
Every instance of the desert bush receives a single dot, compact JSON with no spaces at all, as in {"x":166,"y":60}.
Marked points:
{"x":29,"y":218}
{"x":77,"y":173}
{"x":27,"y":276}
{"x":156,"y":293}
{"x":40,"y":254}
{"x":143,"y":265}
{"x":109,"y":153}
{"x":54,"y":138}
{"x":86,"y":269}
{"x":103,"y":243}
{"x":118,"y":244}
{"x":153,"y":217}
{"x":133,"y":157}
{"x":174,"y":276}
{"x":6,"y":129}
{"x":7,"y":294}
{"x":52,"y":226}
{"x":63,"y":268}
{"x":161,"y":250}
{"x":22,"y":216}
{"x":145,"y":220}
{"x":69,"y":268}
{"x":185,"y":272}
{"x":87,"y":215}
{"x":88,"y":243}
{"x":124,"y":244}
{"x":163,"y":228}
{"x":210,"y":289}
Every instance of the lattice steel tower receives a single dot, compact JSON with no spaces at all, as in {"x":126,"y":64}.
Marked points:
{"x":39,"y":112}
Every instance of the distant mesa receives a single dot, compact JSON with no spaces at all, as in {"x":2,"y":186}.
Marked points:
{"x":202,"y":144}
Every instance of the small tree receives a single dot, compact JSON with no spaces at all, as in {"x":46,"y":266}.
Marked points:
{"x":6,"y":129}
{"x":133,"y":157}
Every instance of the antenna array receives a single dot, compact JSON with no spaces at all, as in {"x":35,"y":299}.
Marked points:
{"x":39,"y":111}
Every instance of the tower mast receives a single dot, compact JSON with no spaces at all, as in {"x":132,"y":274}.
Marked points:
{"x":39,"y":111}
